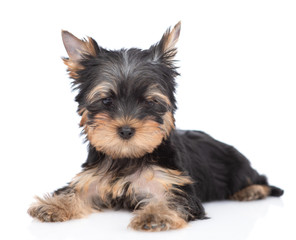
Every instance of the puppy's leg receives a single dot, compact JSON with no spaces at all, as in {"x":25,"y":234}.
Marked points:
{"x":172,"y":201}
{"x":252,"y":192}
{"x":246,"y":183}
{"x":71,"y":202}
{"x":64,"y":204}
{"x":161,"y":215}
{"x":157,"y":216}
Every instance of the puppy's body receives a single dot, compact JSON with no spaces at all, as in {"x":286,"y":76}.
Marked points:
{"x":137,"y":160}
{"x":219,"y":170}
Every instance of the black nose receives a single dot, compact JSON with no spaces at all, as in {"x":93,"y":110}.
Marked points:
{"x":126,"y":132}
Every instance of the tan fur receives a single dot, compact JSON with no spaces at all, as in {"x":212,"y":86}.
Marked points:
{"x":154,"y":182}
{"x":169,"y":177}
{"x":87,"y":47}
{"x":148,"y":135}
{"x":252,"y":192}
{"x":154,"y":93}
{"x":101,"y":91}
{"x":157,"y":216}
{"x":158,"y":95}
{"x":170,"y":40}
{"x":83,"y":113}
{"x":59,"y":208}
{"x":168,"y":123}
{"x":73,"y":67}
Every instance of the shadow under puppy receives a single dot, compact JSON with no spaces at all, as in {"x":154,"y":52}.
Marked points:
{"x":137,"y":160}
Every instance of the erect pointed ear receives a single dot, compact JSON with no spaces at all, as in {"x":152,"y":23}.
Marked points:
{"x":77,"y":50}
{"x":166,"y":46}
{"x":170,"y":38}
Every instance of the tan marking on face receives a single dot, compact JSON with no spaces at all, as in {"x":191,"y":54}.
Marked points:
{"x":84,"y":117}
{"x":148,"y":135}
{"x":158,"y":95}
{"x":102,"y":90}
{"x":168,"y":123}
{"x":154,"y":93}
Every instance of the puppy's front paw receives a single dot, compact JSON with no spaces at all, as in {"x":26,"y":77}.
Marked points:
{"x":157,"y":221}
{"x":149,"y":222}
{"x":48,"y":212}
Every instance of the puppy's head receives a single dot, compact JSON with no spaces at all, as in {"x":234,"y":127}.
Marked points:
{"x":126,"y":97}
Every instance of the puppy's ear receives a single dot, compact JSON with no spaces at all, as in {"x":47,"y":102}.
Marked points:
{"x":166,"y":46}
{"x":170,"y":38}
{"x":77,"y":50}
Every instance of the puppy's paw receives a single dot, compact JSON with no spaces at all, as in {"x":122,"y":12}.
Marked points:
{"x":253,"y":192}
{"x":46,"y":212}
{"x":155,"y":222}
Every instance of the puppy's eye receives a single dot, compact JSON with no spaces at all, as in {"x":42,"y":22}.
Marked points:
{"x":107,"y":101}
{"x":151,"y":103}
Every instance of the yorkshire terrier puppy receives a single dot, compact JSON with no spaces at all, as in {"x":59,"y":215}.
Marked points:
{"x":137,"y":160}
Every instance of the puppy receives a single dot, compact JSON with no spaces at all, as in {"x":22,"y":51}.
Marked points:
{"x":136,"y":159}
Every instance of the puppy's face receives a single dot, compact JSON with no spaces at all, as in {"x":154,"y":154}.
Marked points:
{"x":126,"y":97}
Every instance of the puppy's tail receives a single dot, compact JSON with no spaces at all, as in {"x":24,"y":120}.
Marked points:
{"x":275,"y":191}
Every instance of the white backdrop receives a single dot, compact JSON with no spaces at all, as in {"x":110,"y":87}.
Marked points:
{"x":237,"y":64}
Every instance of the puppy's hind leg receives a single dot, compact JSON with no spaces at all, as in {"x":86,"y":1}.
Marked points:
{"x":252,"y":192}
{"x":255,"y":192}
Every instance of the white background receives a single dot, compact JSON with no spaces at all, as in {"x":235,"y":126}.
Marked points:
{"x":237,"y":64}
